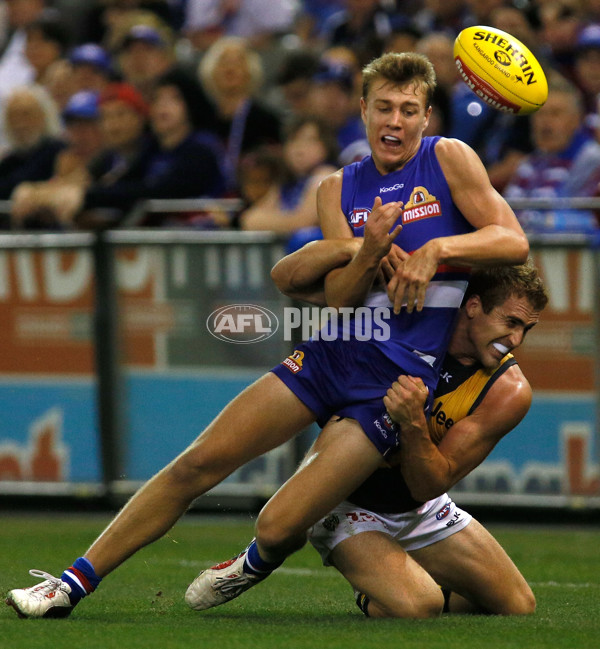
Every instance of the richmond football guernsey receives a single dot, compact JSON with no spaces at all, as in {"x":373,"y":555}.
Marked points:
{"x":460,"y":390}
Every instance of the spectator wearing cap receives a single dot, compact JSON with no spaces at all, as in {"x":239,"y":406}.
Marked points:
{"x":32,"y":130}
{"x":91,"y":67}
{"x":231,"y":74}
{"x":173,"y":161}
{"x":40,"y":205}
{"x":332,"y":99}
{"x":123,"y":117}
{"x":145,"y":54}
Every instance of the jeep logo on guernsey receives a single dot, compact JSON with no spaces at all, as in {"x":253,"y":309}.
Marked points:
{"x":242,"y":323}
{"x":422,"y":205}
{"x":359,"y":217}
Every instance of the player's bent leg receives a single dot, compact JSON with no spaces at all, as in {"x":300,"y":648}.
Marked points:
{"x":344,"y":459}
{"x":324,"y":479}
{"x":472,"y":564}
{"x":394,"y":584}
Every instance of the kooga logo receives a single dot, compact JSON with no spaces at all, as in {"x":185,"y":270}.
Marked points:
{"x":242,"y":323}
{"x":382,"y":190}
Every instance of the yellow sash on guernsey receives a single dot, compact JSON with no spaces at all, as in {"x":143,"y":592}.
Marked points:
{"x":463,"y":393}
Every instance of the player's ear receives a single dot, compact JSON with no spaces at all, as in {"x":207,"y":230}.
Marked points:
{"x":473,"y":306}
{"x":363,"y":109}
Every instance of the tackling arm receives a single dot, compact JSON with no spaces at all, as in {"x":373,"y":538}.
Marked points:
{"x":301,"y":275}
{"x":431,"y":470}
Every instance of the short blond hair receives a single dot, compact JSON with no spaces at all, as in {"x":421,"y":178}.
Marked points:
{"x":401,"y":69}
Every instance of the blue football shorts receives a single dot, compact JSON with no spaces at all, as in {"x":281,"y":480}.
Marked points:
{"x":347,"y":378}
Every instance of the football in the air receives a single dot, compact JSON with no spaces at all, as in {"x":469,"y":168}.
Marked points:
{"x":500,"y":70}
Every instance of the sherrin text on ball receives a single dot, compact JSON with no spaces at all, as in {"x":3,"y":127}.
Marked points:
{"x":500,"y":70}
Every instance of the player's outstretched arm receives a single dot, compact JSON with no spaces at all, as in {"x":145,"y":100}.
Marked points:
{"x":431,"y":470}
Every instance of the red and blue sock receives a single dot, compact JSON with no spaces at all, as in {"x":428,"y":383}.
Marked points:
{"x":254,"y":564}
{"x":82,"y":579}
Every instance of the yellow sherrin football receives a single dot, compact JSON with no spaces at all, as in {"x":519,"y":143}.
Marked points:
{"x":500,"y":70}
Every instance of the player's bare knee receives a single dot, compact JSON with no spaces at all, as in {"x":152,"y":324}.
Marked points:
{"x":275,"y":538}
{"x":195,"y":471}
{"x":418,"y":607}
{"x":521,"y":603}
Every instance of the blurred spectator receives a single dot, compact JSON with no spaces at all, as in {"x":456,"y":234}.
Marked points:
{"x":178,"y":162}
{"x":260,"y":171}
{"x":308,"y":152}
{"x":559,"y":142}
{"x":363,"y":26}
{"x":231,"y":74}
{"x":311,"y":17}
{"x":508,"y":138}
{"x":479,"y":12}
{"x":332,"y":99}
{"x":32,"y":130}
{"x":294,"y":79}
{"x":144,"y":56}
{"x":15,"y":69}
{"x":38,"y":205}
{"x":92,"y":67}
{"x":105,"y":16}
{"x":467,"y":118}
{"x":255,"y":20}
{"x":127,"y":145}
{"x":561,"y":22}
{"x":341,"y":55}
{"x":587,"y":69}
{"x":446,"y":16}
{"x":403,"y":38}
{"x":46,"y":41}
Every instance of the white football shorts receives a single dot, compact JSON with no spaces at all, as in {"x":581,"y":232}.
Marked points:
{"x":434,"y":521}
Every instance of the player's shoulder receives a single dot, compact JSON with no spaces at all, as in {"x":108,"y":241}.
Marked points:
{"x":450,"y":146}
{"x":510,"y":387}
{"x":459,"y":162}
{"x":332,"y":182}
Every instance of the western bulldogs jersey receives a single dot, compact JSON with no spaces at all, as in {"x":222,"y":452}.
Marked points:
{"x":460,"y":390}
{"x":418,"y":341}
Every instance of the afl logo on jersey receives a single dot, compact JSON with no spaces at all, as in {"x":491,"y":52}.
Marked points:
{"x":422,"y":205}
{"x":359,"y":217}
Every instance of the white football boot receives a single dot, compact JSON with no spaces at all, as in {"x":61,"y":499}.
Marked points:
{"x":220,"y":584}
{"x":48,"y":599}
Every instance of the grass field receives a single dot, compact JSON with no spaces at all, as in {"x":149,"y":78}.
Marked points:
{"x":303,"y":605}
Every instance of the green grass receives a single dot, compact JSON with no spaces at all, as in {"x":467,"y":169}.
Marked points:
{"x":302,"y":606}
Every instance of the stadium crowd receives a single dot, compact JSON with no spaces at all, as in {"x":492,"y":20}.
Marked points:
{"x":110,"y":102}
